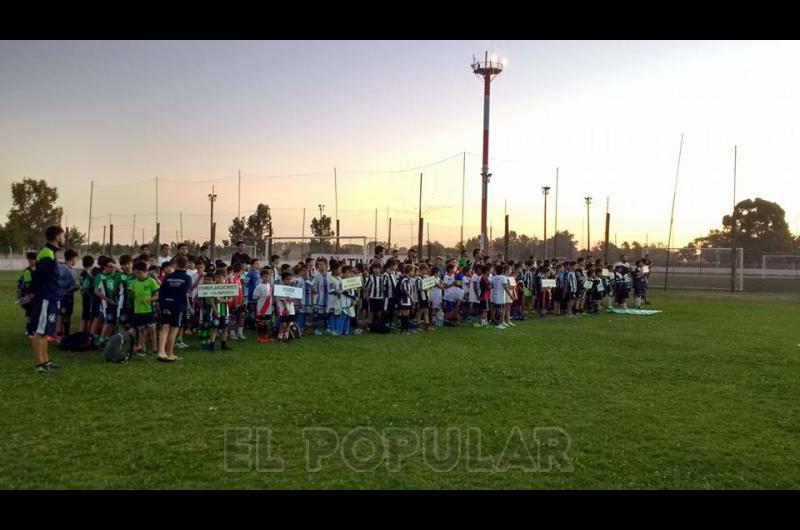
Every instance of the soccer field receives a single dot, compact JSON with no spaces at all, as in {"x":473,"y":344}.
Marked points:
{"x":703,"y":395}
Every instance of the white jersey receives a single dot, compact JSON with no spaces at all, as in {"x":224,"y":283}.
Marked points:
{"x":474,"y":289}
{"x":498,"y":288}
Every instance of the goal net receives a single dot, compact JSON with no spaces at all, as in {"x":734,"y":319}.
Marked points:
{"x":350,"y":249}
{"x":693,"y":268}
{"x":780,"y":266}
{"x":227,"y":252}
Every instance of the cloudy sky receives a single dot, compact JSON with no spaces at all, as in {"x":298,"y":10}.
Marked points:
{"x":608,"y":114}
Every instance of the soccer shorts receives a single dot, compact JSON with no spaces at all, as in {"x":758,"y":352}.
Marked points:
{"x":124,"y":315}
{"x":376,"y":305}
{"x":43,"y":314}
{"x":483,"y":305}
{"x":142,"y":320}
{"x":499,"y":306}
{"x":66,"y":305}
{"x":109,"y":315}
{"x":449,"y":305}
{"x":96,"y":309}
{"x":86,"y":309}
{"x":171,"y":317}
{"x":287,"y":318}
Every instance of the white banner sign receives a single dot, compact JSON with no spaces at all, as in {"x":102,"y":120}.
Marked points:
{"x":548,"y":282}
{"x":605,"y":273}
{"x":587,"y":284}
{"x":217,"y":290}
{"x":512,"y":281}
{"x":428,"y":282}
{"x":356,"y":282}
{"x":645,"y":269}
{"x":287,"y":291}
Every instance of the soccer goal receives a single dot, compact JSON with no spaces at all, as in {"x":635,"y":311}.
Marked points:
{"x":227,"y":252}
{"x":350,"y":249}
{"x":786,"y":266}
{"x":694,"y":268}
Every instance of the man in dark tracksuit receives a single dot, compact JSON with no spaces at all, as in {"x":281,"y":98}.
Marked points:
{"x":46,"y":294}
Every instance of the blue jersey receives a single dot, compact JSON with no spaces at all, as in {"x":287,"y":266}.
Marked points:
{"x":320,"y":283}
{"x":174,"y":290}
{"x":253,"y":279}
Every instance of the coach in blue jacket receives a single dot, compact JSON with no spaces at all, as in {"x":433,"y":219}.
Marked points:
{"x":46,"y":291}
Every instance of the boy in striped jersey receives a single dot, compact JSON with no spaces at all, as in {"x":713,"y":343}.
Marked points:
{"x":404,"y":298}
{"x":320,"y":286}
{"x":373,"y":288}
{"x":423,"y":299}
{"x":262,"y":297}
{"x":304,"y":306}
{"x":334,"y":307}
{"x":389,"y":281}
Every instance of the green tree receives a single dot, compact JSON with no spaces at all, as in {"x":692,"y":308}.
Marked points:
{"x":259,"y":226}
{"x":33,"y":210}
{"x":10,"y":239}
{"x":321,"y":228}
{"x":75,"y":239}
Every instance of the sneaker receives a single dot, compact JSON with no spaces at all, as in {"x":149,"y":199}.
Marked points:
{"x":317,"y":332}
{"x":500,"y":326}
{"x":181,"y":345}
{"x":358,"y":332}
{"x":43,"y":369}
{"x":52,"y":366}
{"x":476,"y":325}
{"x":233,"y":337}
{"x":510,"y":324}
{"x":240,"y":335}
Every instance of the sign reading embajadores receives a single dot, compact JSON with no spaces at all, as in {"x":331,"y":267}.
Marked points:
{"x":217,"y":290}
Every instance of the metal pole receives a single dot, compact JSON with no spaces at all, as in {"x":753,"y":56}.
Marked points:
{"x":671,"y":215}
{"x":429,"y":242}
{"x":505,"y":246}
{"x":555,"y":221}
{"x":608,"y":223}
{"x":104,"y":240}
{"x":89,"y":230}
{"x":545,"y":191}
{"x":588,"y":226}
{"x":487,"y":81}
{"x":733,"y":227}
{"x":239,"y":202}
{"x":303,"y":236}
{"x":463,"y":181}
{"x":133,"y":234}
{"x":389,"y":243}
{"x":336,"y":206}
{"x":156,"y":200}
{"x":419,"y":245}
{"x":111,"y":238}
{"x":213,"y":240}
{"x":419,"y":220}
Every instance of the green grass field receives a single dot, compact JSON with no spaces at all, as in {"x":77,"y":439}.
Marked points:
{"x":703,"y":395}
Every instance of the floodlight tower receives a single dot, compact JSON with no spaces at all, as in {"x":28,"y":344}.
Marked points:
{"x":488,"y":69}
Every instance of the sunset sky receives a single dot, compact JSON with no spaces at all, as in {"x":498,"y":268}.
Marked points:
{"x":608,"y":114}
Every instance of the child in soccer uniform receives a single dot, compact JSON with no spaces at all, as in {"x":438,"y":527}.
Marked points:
{"x":262,"y":297}
{"x":544,"y":294}
{"x":373,"y":288}
{"x":580,"y":291}
{"x":423,"y":299}
{"x":305,"y":306}
{"x":556,"y":293}
{"x":320,"y":286}
{"x":237,"y":308}
{"x":570,"y":290}
{"x":285,"y":309}
{"x":334,"y":307}
{"x":451,"y":294}
{"x":124,"y":303}
{"x":404,"y":298}
{"x":595,"y":294}
{"x":389,"y":281}
{"x":474,"y":293}
{"x":142,"y":292}
{"x":87,"y":294}
{"x":105,"y":289}
{"x":499,"y":291}
{"x":639,"y":284}
{"x":484,"y":294}
{"x":621,"y":287}
{"x":347,"y":301}
{"x":510,"y":296}
{"x":67,"y":302}
{"x":219,"y":316}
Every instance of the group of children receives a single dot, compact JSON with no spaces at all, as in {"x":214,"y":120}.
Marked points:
{"x":139,"y":295}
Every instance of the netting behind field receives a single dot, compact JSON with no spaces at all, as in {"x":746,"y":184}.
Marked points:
{"x":693,"y":268}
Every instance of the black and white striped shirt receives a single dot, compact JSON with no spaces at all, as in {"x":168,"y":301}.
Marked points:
{"x":374,"y":286}
{"x":389,"y":285}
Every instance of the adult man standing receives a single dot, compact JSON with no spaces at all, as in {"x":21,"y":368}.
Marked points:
{"x":240,"y":256}
{"x":411,"y":258}
{"x":204,"y":256}
{"x":163,"y":255}
{"x":46,"y":291}
{"x":378,"y":259}
{"x":144,"y":253}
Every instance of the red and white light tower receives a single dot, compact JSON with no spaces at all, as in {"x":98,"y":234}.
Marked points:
{"x":488,"y":69}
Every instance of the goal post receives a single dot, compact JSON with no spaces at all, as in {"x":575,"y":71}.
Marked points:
{"x":351,"y":249}
{"x":694,"y":268}
{"x":785,"y":266}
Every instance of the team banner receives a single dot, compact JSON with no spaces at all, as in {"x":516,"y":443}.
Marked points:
{"x":645,"y":269}
{"x":512,"y":281}
{"x":428,"y":283}
{"x":348,"y":259}
{"x":548,"y":282}
{"x":587,"y":284}
{"x":287,"y":291}
{"x":218,"y":290}
{"x":356,"y":282}
{"x":605,"y":273}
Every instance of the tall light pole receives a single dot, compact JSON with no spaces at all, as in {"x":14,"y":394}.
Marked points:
{"x":488,"y":69}
{"x":545,"y":192}
{"x":588,"y":224}
{"x":211,"y":198}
